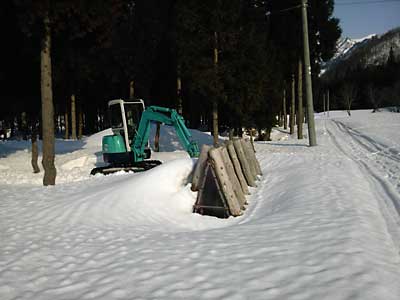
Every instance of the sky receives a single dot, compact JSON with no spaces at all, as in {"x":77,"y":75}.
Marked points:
{"x":359,"y":18}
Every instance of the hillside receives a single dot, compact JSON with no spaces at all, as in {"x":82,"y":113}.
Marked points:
{"x":361,"y":53}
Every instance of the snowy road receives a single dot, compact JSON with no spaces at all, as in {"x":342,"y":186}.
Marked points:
{"x":322,"y":224}
{"x":380,"y":164}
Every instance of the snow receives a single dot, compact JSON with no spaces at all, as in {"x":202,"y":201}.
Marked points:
{"x":323,"y":222}
{"x":368,"y":37}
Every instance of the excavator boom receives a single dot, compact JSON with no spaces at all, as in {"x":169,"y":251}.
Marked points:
{"x":166,"y":116}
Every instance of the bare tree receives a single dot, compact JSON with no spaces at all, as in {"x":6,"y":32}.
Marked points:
{"x":373,"y":98}
{"x":348,"y":93}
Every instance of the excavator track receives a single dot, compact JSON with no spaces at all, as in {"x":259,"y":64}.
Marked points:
{"x":135,"y":167}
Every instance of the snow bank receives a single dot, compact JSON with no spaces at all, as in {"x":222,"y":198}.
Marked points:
{"x":158,"y":197}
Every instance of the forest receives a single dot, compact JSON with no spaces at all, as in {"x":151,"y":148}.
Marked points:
{"x":223,"y":64}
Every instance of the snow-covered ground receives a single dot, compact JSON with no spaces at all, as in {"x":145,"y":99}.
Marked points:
{"x":323,"y":222}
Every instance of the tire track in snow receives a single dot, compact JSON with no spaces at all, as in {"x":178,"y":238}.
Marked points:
{"x":375,"y":148}
{"x":384,"y":158}
{"x":392,"y":152}
{"x":387,"y":196}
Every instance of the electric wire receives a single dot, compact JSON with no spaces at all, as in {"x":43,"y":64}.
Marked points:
{"x":351,"y":2}
{"x":366,"y":2}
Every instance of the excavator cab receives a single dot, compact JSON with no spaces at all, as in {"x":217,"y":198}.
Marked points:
{"x":124,"y":118}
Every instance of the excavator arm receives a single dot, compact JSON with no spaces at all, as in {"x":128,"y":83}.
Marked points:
{"x":166,"y":116}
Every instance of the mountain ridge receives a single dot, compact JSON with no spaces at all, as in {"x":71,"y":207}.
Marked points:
{"x":360,"y":53}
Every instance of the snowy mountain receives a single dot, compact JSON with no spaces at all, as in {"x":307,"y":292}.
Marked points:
{"x":370,"y":50}
{"x":346,"y":46}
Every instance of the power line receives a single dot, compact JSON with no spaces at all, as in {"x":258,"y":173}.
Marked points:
{"x":288,"y":9}
{"x":351,"y":2}
{"x":366,"y":2}
{"x":284,"y":10}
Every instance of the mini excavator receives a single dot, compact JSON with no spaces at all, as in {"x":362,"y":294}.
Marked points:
{"x":128,"y":148}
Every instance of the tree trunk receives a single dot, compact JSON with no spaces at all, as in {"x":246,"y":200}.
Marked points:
{"x":58,"y":124}
{"x":284,"y":109}
{"x":231,"y":134}
{"x":132,"y":89}
{"x":240,"y":132}
{"x":215,"y":103}
{"x":292,"y":106}
{"x":35,"y":151}
{"x":157,"y":138}
{"x":80,"y":124}
{"x":348,"y":100}
{"x":268,"y":134}
{"x":179,"y":92}
{"x":66,"y":125}
{"x":24,"y":126}
{"x":12,"y":133}
{"x":50,"y":171}
{"x":300,"y":114}
{"x":73,"y":117}
{"x":215,"y":123}
{"x":252,"y":138}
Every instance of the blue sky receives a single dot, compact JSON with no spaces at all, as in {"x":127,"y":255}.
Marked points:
{"x":361,"y":20}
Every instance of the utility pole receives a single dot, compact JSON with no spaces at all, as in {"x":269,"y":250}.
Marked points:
{"x":324,"y":101}
{"x":307,"y":65}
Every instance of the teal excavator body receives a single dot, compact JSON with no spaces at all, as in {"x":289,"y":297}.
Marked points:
{"x":128,"y":147}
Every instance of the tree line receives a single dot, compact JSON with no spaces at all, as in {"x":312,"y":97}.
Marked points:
{"x":222,"y":64}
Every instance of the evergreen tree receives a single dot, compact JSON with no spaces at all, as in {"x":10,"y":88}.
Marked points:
{"x":231,"y":55}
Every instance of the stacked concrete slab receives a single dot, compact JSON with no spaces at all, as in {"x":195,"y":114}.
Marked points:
{"x":222,"y":176}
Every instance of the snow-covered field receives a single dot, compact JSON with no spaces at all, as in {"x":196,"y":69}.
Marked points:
{"x":323,"y":222}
